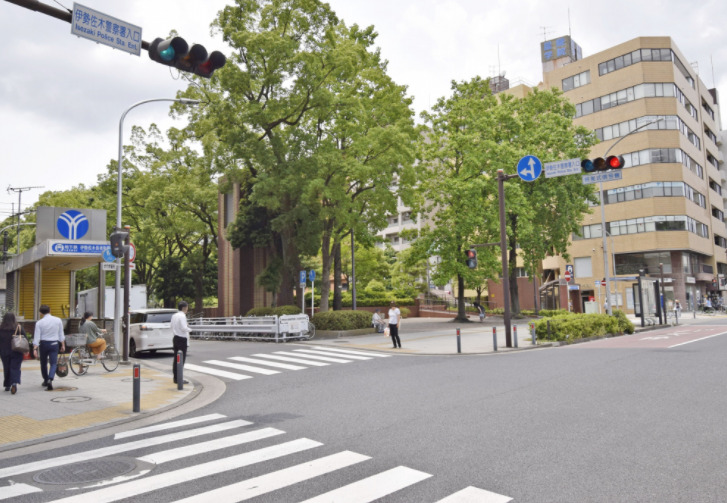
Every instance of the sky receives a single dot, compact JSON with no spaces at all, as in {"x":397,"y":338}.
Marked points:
{"x":61,"y":96}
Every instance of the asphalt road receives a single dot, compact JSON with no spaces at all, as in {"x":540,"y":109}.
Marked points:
{"x":636,"y":418}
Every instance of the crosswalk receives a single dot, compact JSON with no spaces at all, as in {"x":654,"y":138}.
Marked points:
{"x":238,"y":368}
{"x":216,"y":434}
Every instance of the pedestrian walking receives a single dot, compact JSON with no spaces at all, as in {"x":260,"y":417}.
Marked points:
{"x":394,"y":323}
{"x":12,"y":360}
{"x":377,"y":322}
{"x":49,"y":338}
{"x":480,"y":311}
{"x":181,"y":331}
{"x":94,"y":335}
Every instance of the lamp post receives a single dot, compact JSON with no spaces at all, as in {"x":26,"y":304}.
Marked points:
{"x":603,"y":217}
{"x":117,"y":289}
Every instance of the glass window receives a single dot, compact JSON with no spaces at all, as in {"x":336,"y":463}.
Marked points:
{"x":627,"y":59}
{"x":602,"y":69}
{"x":666,"y":54}
{"x":636,"y":56}
{"x":646,"y":54}
{"x":619,"y":62}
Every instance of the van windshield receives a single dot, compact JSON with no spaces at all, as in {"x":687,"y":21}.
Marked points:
{"x":159,"y":317}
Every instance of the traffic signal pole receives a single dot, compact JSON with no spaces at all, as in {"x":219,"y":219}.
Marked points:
{"x":501,"y":177}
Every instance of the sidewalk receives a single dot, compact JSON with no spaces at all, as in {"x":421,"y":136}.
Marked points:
{"x":96,"y":399}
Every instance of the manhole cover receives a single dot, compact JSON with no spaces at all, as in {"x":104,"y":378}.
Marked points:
{"x":86,"y":471}
{"x":70,"y":399}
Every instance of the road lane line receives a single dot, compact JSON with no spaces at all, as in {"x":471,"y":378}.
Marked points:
{"x":374,"y":487}
{"x":264,"y":484}
{"x":246,"y":368}
{"x":696,"y":340}
{"x":292,"y":360}
{"x":269,"y":364}
{"x":168,"y":426}
{"x":215,"y":372}
{"x":474,"y":495}
{"x":213,"y":445}
{"x":15,"y":490}
{"x":118,"y":448}
{"x":155,"y":482}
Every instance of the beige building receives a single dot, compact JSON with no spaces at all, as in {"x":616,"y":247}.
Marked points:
{"x":669,"y":206}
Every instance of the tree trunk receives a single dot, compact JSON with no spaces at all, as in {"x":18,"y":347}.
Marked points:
{"x":326,"y":272}
{"x":512,"y":268}
{"x":337,"y":268}
{"x":291,"y":264}
{"x":461,"y":311}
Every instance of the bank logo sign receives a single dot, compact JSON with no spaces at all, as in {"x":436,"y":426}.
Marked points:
{"x":72,"y":224}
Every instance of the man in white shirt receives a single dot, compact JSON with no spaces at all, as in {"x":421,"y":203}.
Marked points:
{"x":181,"y":331}
{"x":48,"y":336}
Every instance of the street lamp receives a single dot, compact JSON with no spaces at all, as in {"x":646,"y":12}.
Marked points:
{"x":603,"y":217}
{"x":117,"y":289}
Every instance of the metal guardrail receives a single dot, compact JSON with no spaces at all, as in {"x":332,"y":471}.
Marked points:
{"x":267,"y":328}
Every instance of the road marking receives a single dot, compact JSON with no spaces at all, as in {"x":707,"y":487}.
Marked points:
{"x":155,"y":482}
{"x":269,"y":364}
{"x":15,"y":490}
{"x":696,"y":340}
{"x":322,"y":358}
{"x":352,"y":352}
{"x":246,"y":368}
{"x":212,"y":445}
{"x":293,"y":360}
{"x":168,"y":426}
{"x":327,"y":353}
{"x":263,"y":484}
{"x":474,"y":495}
{"x":374,"y":487}
{"x":119,"y":448}
{"x":215,"y":372}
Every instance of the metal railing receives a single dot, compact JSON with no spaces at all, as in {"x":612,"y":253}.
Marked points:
{"x":266,"y":328}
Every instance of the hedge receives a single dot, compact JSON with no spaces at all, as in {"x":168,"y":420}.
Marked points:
{"x":273,"y":311}
{"x":572,"y":326}
{"x":342,"y":320}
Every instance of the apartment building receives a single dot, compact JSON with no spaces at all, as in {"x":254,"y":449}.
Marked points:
{"x":669,"y":207}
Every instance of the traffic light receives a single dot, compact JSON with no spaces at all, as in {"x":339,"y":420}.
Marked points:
{"x":714,"y":282}
{"x":601,"y":164}
{"x":471,"y":258}
{"x":118,"y":247}
{"x":176,"y":52}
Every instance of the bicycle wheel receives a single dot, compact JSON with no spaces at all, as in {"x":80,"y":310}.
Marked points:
{"x":111,"y":359}
{"x":311,"y":330}
{"x":75,"y":361}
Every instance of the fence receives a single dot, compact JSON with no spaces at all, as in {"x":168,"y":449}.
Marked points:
{"x":266,"y":328}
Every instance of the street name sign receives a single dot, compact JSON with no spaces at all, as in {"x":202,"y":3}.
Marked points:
{"x":529,"y":168}
{"x":606,"y":176}
{"x":112,"y":266}
{"x":301,"y":279}
{"x":562,"y":168}
{"x":104,"y":29}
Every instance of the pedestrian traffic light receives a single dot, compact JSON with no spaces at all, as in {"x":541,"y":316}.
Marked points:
{"x":471,"y":258}
{"x":176,"y":52}
{"x":601,"y":164}
{"x":714,"y":282}
{"x":118,"y":246}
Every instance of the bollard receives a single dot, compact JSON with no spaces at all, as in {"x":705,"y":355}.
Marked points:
{"x":180,"y":370}
{"x":494,"y":338}
{"x":136,"y":379}
{"x":514,"y":334}
{"x":533,"y":336}
{"x":459,"y":345}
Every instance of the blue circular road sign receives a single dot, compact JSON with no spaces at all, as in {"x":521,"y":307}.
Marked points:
{"x":529,"y":168}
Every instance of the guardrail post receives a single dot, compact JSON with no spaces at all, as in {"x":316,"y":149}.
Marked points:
{"x":136,"y":379}
{"x":514,"y":335}
{"x":494,"y":338}
{"x":533,"y":336}
{"x":180,"y":370}
{"x":459,"y":345}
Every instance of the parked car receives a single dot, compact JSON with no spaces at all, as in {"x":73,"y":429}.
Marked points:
{"x":150,"y":330}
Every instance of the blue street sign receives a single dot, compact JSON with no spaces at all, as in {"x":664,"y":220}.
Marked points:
{"x":312,"y":275}
{"x":529,"y":168}
{"x":606,"y":176}
{"x":108,"y":256}
{"x":302,"y":279}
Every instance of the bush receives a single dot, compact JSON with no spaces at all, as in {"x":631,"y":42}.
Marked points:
{"x":375,"y":286}
{"x":342,"y":320}
{"x":404,"y":312}
{"x":624,"y":324}
{"x":571,"y":326}
{"x":548,"y":313}
{"x":282,"y":310}
{"x":273,"y":311}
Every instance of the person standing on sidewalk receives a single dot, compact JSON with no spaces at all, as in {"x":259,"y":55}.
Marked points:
{"x":48,"y":336}
{"x":12,"y":360}
{"x":394,"y":322}
{"x":181,"y":331}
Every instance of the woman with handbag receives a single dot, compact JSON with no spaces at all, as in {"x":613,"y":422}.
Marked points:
{"x":94,"y":335}
{"x":11,"y":351}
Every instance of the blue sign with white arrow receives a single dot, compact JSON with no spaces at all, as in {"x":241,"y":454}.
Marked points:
{"x":312,"y":275}
{"x":529,"y":168}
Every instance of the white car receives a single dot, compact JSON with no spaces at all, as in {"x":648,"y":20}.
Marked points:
{"x":150,"y":330}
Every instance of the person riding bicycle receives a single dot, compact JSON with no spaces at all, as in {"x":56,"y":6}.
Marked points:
{"x":94,"y":335}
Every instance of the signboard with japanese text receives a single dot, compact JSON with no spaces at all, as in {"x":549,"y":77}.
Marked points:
{"x":77,"y":248}
{"x":606,"y":176}
{"x":104,"y":29}
{"x":562,"y":168}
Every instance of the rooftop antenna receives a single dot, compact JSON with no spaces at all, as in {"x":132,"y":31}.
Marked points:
{"x":20,"y":191}
{"x":546,"y":31}
{"x":569,"y":34}
{"x":711,"y":62}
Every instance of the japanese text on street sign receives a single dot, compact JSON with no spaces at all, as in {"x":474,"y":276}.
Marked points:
{"x":58,"y":248}
{"x":606,"y":176}
{"x":562,"y":168}
{"x":105,"y":29}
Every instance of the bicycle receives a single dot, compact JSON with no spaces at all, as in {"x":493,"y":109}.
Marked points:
{"x":81,"y":358}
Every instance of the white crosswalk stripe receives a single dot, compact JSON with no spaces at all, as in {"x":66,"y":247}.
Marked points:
{"x":215,"y":372}
{"x":246,"y":368}
{"x":328,"y":353}
{"x":372,"y":484}
{"x":269,"y":364}
{"x":168,"y":426}
{"x":306,"y":356}
{"x":353,"y":352}
{"x":292,"y":360}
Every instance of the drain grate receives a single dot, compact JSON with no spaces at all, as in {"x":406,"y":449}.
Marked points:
{"x":70,"y":399}
{"x":86,"y":471}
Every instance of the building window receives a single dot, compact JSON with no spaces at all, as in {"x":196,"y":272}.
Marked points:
{"x":640,"y":91}
{"x":709,"y":134}
{"x":663,"y":155}
{"x":577,"y":81}
{"x":640,"y":55}
{"x":655,"y":189}
{"x":583,"y":267}
{"x":720,"y":241}
{"x":654,"y":122}
{"x":631,"y":263}
{"x":715,"y":186}
{"x":711,"y":160}
{"x":708,"y":109}
{"x":718,"y":214}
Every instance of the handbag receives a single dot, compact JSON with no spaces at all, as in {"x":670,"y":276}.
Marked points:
{"x":62,"y":366}
{"x":19,"y":343}
{"x":387,"y":332}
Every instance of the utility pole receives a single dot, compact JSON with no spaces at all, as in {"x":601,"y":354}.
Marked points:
{"x":20,"y":191}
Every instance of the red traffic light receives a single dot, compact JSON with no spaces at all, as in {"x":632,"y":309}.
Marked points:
{"x":471,"y":258}
{"x":177,"y":53}
{"x":615,"y":162}
{"x":601,"y":164}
